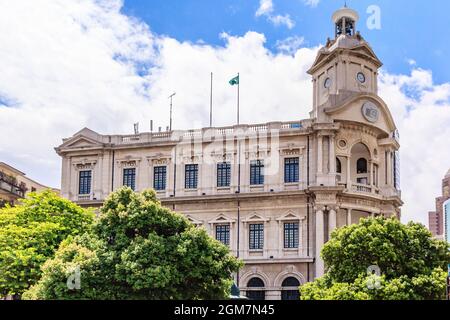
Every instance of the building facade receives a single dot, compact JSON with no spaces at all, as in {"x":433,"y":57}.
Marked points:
{"x":272,"y":192}
{"x":15,"y":185}
{"x":436,"y":219}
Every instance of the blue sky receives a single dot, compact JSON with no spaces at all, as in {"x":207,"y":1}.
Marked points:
{"x":411,"y":29}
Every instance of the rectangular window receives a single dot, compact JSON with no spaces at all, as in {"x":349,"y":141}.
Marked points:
{"x":291,"y":170}
{"x":159,"y":178}
{"x":129,"y":178}
{"x":223,"y":234}
{"x":256,"y":236}
{"x":257,"y":172}
{"x":291,"y":235}
{"x":191,"y":176}
{"x":85,"y":182}
{"x":223,"y":174}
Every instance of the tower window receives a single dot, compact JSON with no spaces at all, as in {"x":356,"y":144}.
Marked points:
{"x":291,"y":170}
{"x":361,"y":166}
{"x":291,"y":235}
{"x":256,"y":236}
{"x":257,"y":172}
{"x":85,"y":182}
{"x":223,"y":174}
{"x":191,"y":176}
{"x":338,"y":166}
{"x":256,"y":289}
{"x":290,"y":289}
{"x":223,"y":234}
{"x":159,"y":178}
{"x":129,"y":178}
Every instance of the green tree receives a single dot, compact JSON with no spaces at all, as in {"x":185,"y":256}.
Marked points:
{"x":412,"y":264}
{"x":31,"y":232}
{"x":139,"y":250}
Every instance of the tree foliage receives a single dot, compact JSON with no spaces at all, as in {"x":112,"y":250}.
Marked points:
{"x":412,"y":264}
{"x":31,"y":232}
{"x":139,"y":250}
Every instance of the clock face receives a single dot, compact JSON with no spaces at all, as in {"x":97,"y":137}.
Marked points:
{"x":370,"y":112}
{"x":361,"y":77}
{"x":327,"y":83}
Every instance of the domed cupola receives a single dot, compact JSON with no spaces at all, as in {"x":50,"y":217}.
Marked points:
{"x":345,"y":20}
{"x":346,"y":66}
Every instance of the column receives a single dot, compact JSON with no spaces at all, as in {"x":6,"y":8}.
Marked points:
{"x":315,"y":102}
{"x":332,"y":223}
{"x":371,"y":174}
{"x":97,"y":178}
{"x":349,"y":172}
{"x":389,"y":167}
{"x":320,"y":266}
{"x":320,"y":154}
{"x":332,"y":155}
{"x":349,"y":217}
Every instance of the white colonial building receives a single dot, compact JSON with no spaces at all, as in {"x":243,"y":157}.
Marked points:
{"x":272,"y":192}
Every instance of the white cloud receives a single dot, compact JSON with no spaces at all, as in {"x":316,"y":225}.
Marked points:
{"x":70,"y":64}
{"x":422,"y":112}
{"x":279,"y":20}
{"x":290,"y":45}
{"x":311,"y":3}
{"x":266,"y":8}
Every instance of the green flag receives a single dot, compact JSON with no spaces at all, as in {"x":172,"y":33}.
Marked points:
{"x":234,"y":81}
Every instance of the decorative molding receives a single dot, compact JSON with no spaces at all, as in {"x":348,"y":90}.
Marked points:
{"x":85,"y":164}
{"x":254,"y":217}
{"x":222,"y":219}
{"x":290,"y":216}
{"x":292,"y":151}
{"x":128,"y":163}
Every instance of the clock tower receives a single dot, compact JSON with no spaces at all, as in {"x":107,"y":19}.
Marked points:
{"x":346,"y":66}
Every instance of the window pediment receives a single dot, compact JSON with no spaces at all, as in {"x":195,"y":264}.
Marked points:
{"x":222,"y":219}
{"x":255,"y":218}
{"x":85,"y":164}
{"x":290,"y":216}
{"x":128,"y":163}
{"x":194,"y":221}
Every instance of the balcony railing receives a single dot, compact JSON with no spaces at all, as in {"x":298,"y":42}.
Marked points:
{"x":232,"y":131}
{"x":364,"y":188}
{"x":84,"y":197}
{"x":10,"y":184}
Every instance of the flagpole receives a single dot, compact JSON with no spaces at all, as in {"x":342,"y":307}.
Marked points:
{"x":211,"y":103}
{"x":238,"y":106}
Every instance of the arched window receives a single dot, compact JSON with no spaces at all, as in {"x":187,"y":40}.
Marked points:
{"x":290,"y":289}
{"x":338,"y":166}
{"x":361,"y":166}
{"x":256,"y":289}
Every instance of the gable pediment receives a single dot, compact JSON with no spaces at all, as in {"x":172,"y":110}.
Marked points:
{"x":85,"y":138}
{"x":351,"y":109}
{"x":80,"y":142}
{"x":325,"y":55}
